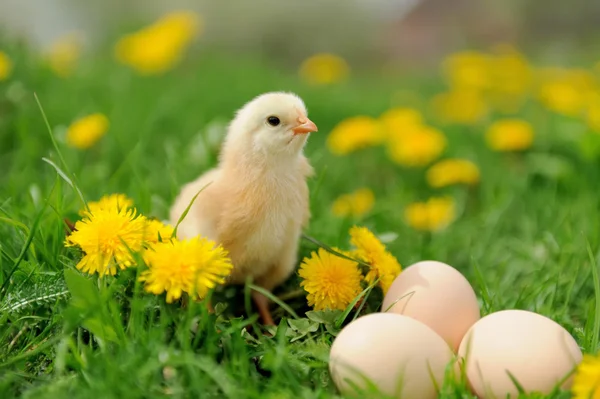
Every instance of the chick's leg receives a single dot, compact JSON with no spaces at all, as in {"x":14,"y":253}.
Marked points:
{"x":276,"y":275}
{"x":262,"y":305}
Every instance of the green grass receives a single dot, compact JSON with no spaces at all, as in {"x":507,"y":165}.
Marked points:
{"x":526,"y":237}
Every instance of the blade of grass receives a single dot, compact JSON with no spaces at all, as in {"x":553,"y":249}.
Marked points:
{"x":72,"y":180}
{"x":596,"y":279}
{"x":184,"y":214}
{"x":333,"y":251}
{"x":273,"y":298}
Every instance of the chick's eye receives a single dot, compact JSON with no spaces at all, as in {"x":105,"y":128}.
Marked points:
{"x":273,"y":120}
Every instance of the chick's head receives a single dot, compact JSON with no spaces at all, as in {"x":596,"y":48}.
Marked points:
{"x":273,"y":123}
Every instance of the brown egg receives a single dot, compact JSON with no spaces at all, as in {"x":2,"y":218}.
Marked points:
{"x":537,"y":351}
{"x":400,"y":355}
{"x":437,"y":295}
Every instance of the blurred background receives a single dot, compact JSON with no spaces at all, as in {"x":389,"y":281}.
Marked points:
{"x":410,"y":32}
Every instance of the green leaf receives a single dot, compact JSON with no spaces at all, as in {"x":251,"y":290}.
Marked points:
{"x":549,"y":166}
{"x":324,"y":316}
{"x":83,"y":291}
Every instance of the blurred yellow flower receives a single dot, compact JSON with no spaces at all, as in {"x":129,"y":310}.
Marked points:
{"x":452,"y":171}
{"x":108,"y":237}
{"x":467,"y":70}
{"x":369,"y":249}
{"x":194,"y":266}
{"x":586,"y":383}
{"x":462,"y":106}
{"x":5,"y":66}
{"x":431,"y":215}
{"x":155,"y":229}
{"x":566,"y":91}
{"x":331,"y":282}
{"x":159,"y":46}
{"x":510,"y":71}
{"x":509,"y":135}
{"x":116,"y":202}
{"x":396,"y":121}
{"x":324,"y":68}
{"x":418,"y":146}
{"x":86,"y":131}
{"x":64,"y":54}
{"x":353,"y":134}
{"x":354,"y":204}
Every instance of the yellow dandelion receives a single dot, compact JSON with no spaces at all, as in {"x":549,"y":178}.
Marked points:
{"x":116,"y":202}
{"x":108,"y":238}
{"x":431,"y":215}
{"x":356,"y":204}
{"x":324,"y":68}
{"x":468,"y":69}
{"x":586,"y":383}
{"x":86,"y":131}
{"x":369,"y":249}
{"x":353,"y":134}
{"x":452,"y":171}
{"x":566,"y":91}
{"x":509,"y":135}
{"x":396,"y":121}
{"x":155,"y":229}
{"x":464,"y":106}
{"x":64,"y":54}
{"x":193,"y":266}
{"x":159,"y":46}
{"x":5,"y":66}
{"x":331,"y":282}
{"x":417,"y":147}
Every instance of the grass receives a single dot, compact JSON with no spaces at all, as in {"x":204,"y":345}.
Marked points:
{"x":526,"y":238}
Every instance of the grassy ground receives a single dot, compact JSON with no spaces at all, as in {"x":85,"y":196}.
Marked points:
{"x":526,"y":237}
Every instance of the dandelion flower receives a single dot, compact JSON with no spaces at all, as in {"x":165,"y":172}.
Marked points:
{"x":452,"y":171}
{"x":86,"y":131}
{"x":108,"y":202}
{"x":159,"y":46}
{"x":370,"y":250}
{"x":460,"y":106}
{"x":155,"y":229}
{"x":108,"y":237}
{"x":509,"y":135}
{"x":431,"y":215}
{"x":417,"y":147}
{"x":396,"y":121}
{"x":64,"y":54}
{"x":193,"y":266}
{"x":566,"y":91}
{"x":354,"y":204}
{"x":468,"y":69}
{"x":353,"y":134}
{"x":324,"y":68}
{"x":331,"y":282}
{"x":586,"y":383}
{"x":5,"y":66}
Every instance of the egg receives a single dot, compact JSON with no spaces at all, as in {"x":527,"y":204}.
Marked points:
{"x":399,"y":355}
{"x":437,"y":295}
{"x":537,"y":351}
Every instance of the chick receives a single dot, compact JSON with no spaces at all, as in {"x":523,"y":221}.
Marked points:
{"x":256,"y":202}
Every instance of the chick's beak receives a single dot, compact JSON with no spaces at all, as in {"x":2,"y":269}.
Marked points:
{"x":306,"y":126}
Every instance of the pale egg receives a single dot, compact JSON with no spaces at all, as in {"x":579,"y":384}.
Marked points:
{"x":399,"y":355}
{"x":437,"y":295}
{"x":537,"y":351}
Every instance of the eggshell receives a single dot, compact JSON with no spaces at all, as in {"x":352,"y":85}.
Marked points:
{"x":437,"y":295}
{"x":533,"y":348}
{"x":396,"y":353}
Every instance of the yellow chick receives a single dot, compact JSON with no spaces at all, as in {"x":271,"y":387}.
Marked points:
{"x":256,"y":202}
